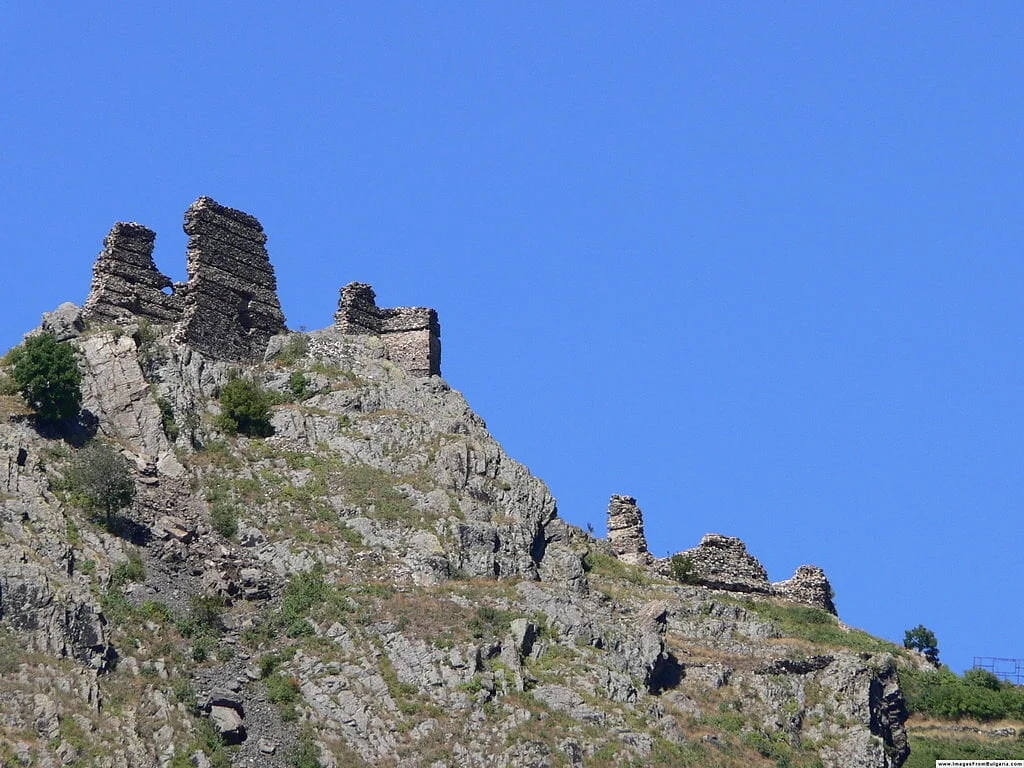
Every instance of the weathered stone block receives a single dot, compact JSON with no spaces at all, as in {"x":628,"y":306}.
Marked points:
{"x":411,"y":335}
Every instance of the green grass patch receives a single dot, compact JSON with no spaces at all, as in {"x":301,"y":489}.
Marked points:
{"x":611,"y":567}
{"x":925,"y":750}
{"x":817,"y":626}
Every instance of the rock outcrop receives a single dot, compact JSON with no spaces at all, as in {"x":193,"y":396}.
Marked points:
{"x":231,"y":309}
{"x":626,"y":531}
{"x":126,"y":283}
{"x":375,"y":583}
{"x":411,"y":335}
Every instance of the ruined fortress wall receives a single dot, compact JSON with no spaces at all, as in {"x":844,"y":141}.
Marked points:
{"x":126,"y":283}
{"x":231,"y":308}
{"x":411,"y":335}
{"x":810,"y":586}
{"x":626,"y":530}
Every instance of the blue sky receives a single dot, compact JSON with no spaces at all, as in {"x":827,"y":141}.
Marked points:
{"x":757,"y":264}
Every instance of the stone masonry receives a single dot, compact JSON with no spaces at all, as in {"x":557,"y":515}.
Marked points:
{"x":718,"y":562}
{"x":229,"y":308}
{"x":626,"y":531}
{"x":722,"y":562}
{"x":231,"y":305}
{"x":126,"y":283}
{"x":411,"y":335}
{"x":808,"y":585}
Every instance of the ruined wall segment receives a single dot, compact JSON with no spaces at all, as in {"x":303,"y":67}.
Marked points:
{"x":810,"y":586}
{"x":231,"y":308}
{"x":126,"y":283}
{"x":411,"y":335}
{"x":626,"y":530}
{"x":722,"y":562}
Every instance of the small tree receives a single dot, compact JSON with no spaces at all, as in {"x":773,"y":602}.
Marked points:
{"x":922,"y":639}
{"x":245,"y":409}
{"x":100,"y":479}
{"x":682,"y":569}
{"x":47,"y":376}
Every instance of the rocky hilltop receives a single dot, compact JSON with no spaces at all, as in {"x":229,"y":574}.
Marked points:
{"x":373,"y":581}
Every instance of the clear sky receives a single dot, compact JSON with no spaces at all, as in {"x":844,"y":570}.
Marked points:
{"x":756,"y":264}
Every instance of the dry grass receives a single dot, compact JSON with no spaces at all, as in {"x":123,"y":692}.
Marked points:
{"x":12,"y":407}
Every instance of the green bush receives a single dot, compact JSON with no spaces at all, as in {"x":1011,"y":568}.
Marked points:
{"x":100,"y":480}
{"x":204,"y":617}
{"x":224,"y":516}
{"x":682,"y":569}
{"x":167,"y":420}
{"x":298,"y":385}
{"x":132,"y":570}
{"x":47,"y":376}
{"x":977,"y":694}
{"x":245,"y":409}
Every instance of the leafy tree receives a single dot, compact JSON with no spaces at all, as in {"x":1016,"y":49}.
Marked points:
{"x":100,"y":479}
{"x":245,"y":409}
{"x":922,"y":639}
{"x":47,"y":376}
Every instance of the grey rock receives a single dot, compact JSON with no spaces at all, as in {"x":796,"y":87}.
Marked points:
{"x":228,"y":723}
{"x":65,"y":322}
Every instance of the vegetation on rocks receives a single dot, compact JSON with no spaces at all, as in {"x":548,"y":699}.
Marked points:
{"x":47,"y":376}
{"x":99,"y":480}
{"x":245,"y":409}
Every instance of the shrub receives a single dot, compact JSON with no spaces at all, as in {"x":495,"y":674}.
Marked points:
{"x":167,"y":420}
{"x":682,"y":569}
{"x":245,"y":409}
{"x":47,"y":376}
{"x":204,"y":617}
{"x":131,"y":570}
{"x":294,"y":348}
{"x":100,"y":479}
{"x":224,"y":516}
{"x":978,"y":694}
{"x":298,"y":385}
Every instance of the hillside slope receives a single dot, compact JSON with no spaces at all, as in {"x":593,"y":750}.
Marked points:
{"x":376,"y":582}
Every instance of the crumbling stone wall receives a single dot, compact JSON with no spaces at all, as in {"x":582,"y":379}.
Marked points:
{"x":722,"y":562}
{"x":126,"y":283}
{"x":718,"y":562}
{"x":411,"y":335}
{"x":626,"y":530}
{"x":231,"y":309}
{"x":809,"y":586}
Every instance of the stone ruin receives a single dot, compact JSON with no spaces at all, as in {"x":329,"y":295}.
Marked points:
{"x":411,"y":335}
{"x":626,"y":531}
{"x":126,"y":282}
{"x":228,"y":309}
{"x":231,"y":309}
{"x":718,"y":562}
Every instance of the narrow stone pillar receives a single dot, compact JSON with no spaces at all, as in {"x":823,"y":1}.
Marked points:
{"x":626,"y":530}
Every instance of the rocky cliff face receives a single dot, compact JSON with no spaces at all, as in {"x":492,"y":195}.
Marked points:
{"x":377,"y":583}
